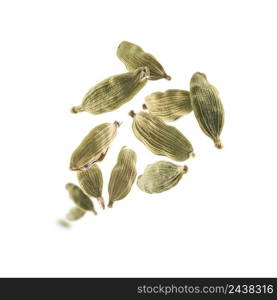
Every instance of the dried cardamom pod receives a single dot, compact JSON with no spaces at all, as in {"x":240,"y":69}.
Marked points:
{"x":170,"y":105}
{"x":160,"y":176}
{"x":207,"y":107}
{"x":160,"y":138}
{"x":75,"y":214}
{"x":91,"y":181}
{"x":94,"y":146}
{"x":123,"y":175}
{"x":111,"y":93}
{"x":63,"y":223}
{"x":80,"y":198}
{"x":134,"y":57}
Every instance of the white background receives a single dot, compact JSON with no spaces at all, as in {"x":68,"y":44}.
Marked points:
{"x":221,"y":218}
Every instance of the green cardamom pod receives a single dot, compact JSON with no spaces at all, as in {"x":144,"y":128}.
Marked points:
{"x":75,"y":214}
{"x":63,"y":223}
{"x":94,"y":146}
{"x":80,"y":198}
{"x":134,"y":57}
{"x":111,"y":93}
{"x":160,"y":176}
{"x":91,"y":182}
{"x":160,"y":138}
{"x":207,"y":107}
{"x":168,"y":106}
{"x":123,"y":175}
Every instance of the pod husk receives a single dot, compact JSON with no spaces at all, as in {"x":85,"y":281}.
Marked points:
{"x":80,"y":198}
{"x":94,"y":146}
{"x":160,"y":177}
{"x":75,"y":214}
{"x":134,"y":57}
{"x":113,"y":92}
{"x":169,"y":105}
{"x":160,"y":138}
{"x":122,"y":176}
{"x":207,"y":107}
{"x":91,"y":182}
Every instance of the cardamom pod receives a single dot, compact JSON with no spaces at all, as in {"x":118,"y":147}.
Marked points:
{"x":111,"y":93}
{"x":207,"y":107}
{"x":75,"y":214}
{"x":91,"y":182}
{"x":123,"y":175}
{"x":94,"y":146}
{"x":134,"y":57}
{"x":170,"y":105}
{"x":80,"y":198}
{"x":160,"y":176}
{"x":160,"y":138}
{"x":63,"y":223}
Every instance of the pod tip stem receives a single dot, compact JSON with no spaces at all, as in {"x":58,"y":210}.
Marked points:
{"x":101,"y":202}
{"x":76,"y":109}
{"x":117,"y":124}
{"x":184,"y":169}
{"x":167,"y":77}
{"x":73,"y":110}
{"x":132,"y":113}
{"x":144,"y":106}
{"x":192,"y":154}
{"x":218,"y":144}
{"x":110,"y":205}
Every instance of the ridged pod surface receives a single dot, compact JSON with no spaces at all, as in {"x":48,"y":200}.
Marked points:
{"x":111,"y":93}
{"x":75,"y":214}
{"x":207,"y":107}
{"x":160,"y":138}
{"x":160,"y":176}
{"x":169,"y":105}
{"x":80,"y":198}
{"x":91,"y":182}
{"x":94,"y":146}
{"x":134,"y":57}
{"x":122,"y":176}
